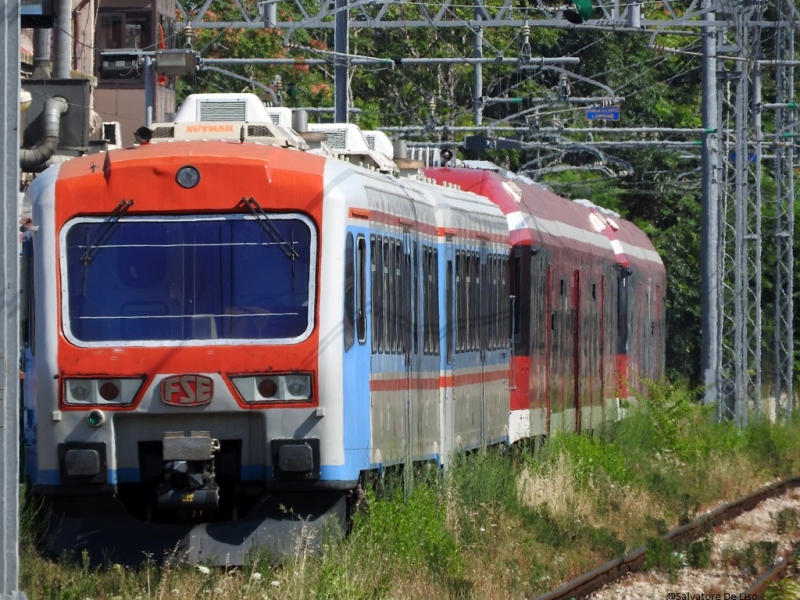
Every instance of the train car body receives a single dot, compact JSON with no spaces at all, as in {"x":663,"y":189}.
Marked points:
{"x":218,"y":331}
{"x":588,"y":299}
{"x":211,"y":325}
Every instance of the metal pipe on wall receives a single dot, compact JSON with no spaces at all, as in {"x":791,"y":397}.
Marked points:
{"x":62,"y":61}
{"x":42,"y":39}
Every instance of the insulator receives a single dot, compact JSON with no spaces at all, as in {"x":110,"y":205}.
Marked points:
{"x":526,"y":30}
{"x":189,"y":33}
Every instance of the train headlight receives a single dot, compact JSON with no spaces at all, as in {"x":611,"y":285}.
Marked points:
{"x":299,"y":386}
{"x":104,"y":392}
{"x":254,"y":389}
{"x":187,"y":177}
{"x":79,"y":391}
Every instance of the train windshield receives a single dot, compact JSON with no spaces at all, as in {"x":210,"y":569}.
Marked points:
{"x":189,"y":279}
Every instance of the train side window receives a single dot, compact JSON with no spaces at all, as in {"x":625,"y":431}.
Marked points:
{"x":462,"y":327}
{"x":361,"y":289}
{"x":380,"y":299}
{"x":400,"y":284}
{"x":498,"y":303}
{"x":27,"y":301}
{"x":388,"y":297}
{"x":373,"y":271}
{"x":435,"y":302}
{"x":349,"y":292}
{"x":483,"y":320}
{"x":407,"y":320}
{"x":426,"y":303}
{"x":415,"y":298}
{"x":491,"y":309}
{"x":448,"y":290}
{"x":431,"y":301}
{"x":594,"y":291}
{"x":460,"y":301}
{"x":476,"y":301}
{"x":516,"y":291}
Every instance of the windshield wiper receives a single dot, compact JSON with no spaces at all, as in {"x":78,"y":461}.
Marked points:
{"x":106,"y":229}
{"x":269,"y":228}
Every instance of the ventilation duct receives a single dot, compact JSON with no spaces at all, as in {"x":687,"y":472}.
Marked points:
{"x":32,"y":159}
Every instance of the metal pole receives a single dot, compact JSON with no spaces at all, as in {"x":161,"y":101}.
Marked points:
{"x":754,"y":254}
{"x":9,"y":319}
{"x":740,"y":266}
{"x":709,"y":236}
{"x":148,"y":91}
{"x":340,"y":72}
{"x":477,"y":83}
{"x":784,"y":221}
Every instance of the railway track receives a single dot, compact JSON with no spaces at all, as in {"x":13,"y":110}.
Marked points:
{"x":622,"y":577}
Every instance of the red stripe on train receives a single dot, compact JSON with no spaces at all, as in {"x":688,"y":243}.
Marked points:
{"x":433,"y":383}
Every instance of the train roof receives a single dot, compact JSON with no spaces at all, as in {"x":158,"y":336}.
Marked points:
{"x":537,"y":216}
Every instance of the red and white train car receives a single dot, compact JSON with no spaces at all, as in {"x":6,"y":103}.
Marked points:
{"x":588,"y":304}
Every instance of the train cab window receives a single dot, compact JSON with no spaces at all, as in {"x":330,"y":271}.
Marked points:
{"x":169,"y":279}
{"x":349,"y":292}
{"x":361,"y":289}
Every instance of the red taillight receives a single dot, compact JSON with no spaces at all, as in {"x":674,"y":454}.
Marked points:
{"x":267,"y":388}
{"x":109,"y":391}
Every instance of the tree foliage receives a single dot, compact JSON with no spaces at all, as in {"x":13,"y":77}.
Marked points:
{"x":657,"y":187}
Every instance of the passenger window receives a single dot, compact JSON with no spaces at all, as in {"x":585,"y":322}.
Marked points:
{"x":349,"y":293}
{"x":448,"y":286}
{"x":361,"y":289}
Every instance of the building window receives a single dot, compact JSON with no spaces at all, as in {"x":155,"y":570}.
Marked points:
{"x":119,"y":31}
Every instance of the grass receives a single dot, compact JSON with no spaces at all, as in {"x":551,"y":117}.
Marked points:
{"x":497,"y":524}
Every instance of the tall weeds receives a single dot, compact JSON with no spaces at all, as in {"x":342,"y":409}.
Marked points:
{"x":494,"y":524}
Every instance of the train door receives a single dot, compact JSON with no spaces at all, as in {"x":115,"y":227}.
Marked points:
{"x":357,"y":350}
{"x":447,"y":354}
{"x":404,"y":288}
{"x":415,"y":433}
{"x":482,"y":309}
{"x":622,"y":335}
{"x":577,"y":403}
{"x":427,"y":348}
{"x":494,"y":356}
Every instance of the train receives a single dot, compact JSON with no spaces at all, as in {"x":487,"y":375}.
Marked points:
{"x":227,"y":328}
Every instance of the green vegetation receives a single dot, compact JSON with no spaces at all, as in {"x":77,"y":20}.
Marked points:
{"x":496,"y":524}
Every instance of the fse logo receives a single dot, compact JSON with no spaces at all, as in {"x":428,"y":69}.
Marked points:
{"x":187,"y":390}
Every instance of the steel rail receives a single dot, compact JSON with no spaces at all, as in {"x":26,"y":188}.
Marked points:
{"x":616,"y":569}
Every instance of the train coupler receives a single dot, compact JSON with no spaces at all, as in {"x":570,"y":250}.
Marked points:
{"x":189,"y":481}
